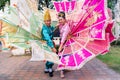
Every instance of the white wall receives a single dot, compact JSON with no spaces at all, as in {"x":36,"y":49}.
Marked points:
{"x":117,"y":19}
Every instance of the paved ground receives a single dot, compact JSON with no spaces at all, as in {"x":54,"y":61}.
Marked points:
{"x":20,"y":68}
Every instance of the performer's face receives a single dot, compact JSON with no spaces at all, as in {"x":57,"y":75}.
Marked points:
{"x":61,"y":20}
{"x":48,"y":22}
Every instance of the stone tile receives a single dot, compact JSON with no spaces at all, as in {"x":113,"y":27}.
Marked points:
{"x":20,"y":68}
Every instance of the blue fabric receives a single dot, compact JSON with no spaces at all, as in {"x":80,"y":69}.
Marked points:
{"x":47,"y":35}
{"x":49,"y":64}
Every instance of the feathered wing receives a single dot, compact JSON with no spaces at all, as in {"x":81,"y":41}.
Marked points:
{"x":15,"y":34}
{"x":24,"y":31}
{"x":90,"y":36}
{"x":94,"y":21}
{"x":30,"y":18}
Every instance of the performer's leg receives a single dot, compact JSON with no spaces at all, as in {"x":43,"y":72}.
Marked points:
{"x":62,"y":74}
{"x":46,"y":67}
{"x":50,"y":69}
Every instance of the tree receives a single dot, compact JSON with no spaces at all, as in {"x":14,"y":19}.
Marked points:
{"x":111,"y":4}
{"x":3,"y":3}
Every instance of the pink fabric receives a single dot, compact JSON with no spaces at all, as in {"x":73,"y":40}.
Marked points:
{"x":109,"y":12}
{"x":95,"y":18}
{"x":69,"y":62}
{"x":0,"y":26}
{"x":57,"y":6}
{"x":90,"y":37}
{"x":109,"y":30}
{"x":83,"y":53}
{"x":65,"y":6}
{"x":64,"y":31}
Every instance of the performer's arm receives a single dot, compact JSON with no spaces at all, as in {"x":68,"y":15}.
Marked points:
{"x":64,"y":37}
{"x":49,"y":41}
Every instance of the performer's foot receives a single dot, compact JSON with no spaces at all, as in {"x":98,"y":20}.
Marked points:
{"x":62,"y":74}
{"x":50,"y":72}
{"x":46,"y":71}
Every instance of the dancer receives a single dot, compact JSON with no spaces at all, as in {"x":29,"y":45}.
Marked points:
{"x":64,"y":32}
{"x":47,"y":35}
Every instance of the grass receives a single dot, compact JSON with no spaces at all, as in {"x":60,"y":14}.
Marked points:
{"x":112,"y":59}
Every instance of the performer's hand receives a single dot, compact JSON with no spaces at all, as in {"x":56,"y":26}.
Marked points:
{"x":69,"y":36}
{"x":54,"y":50}
{"x":44,"y":60}
{"x":19,"y":25}
{"x":57,"y":25}
{"x":91,"y":39}
{"x":60,"y":49}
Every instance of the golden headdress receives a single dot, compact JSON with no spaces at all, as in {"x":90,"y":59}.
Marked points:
{"x":61,"y":14}
{"x":47,"y":15}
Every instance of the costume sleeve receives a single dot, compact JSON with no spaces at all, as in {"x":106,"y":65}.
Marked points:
{"x":65,"y":33}
{"x":53,"y":28}
{"x":48,"y":39}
